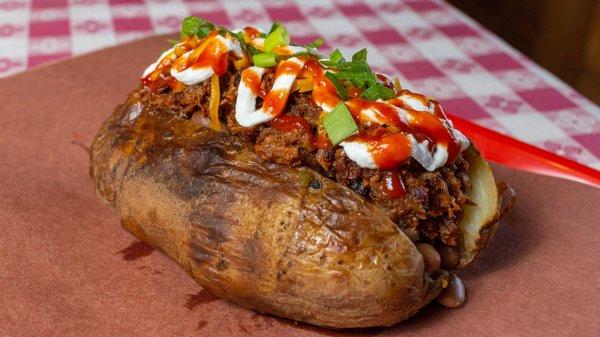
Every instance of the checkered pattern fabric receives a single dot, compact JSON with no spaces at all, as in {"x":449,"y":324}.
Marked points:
{"x":434,"y":48}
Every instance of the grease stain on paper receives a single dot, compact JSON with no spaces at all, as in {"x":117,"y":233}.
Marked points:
{"x":135,"y":251}
{"x":202,"y":297}
{"x":201,"y":325}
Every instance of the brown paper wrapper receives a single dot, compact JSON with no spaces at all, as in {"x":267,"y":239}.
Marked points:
{"x":68,"y":269}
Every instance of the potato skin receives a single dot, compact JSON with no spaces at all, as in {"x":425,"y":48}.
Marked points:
{"x":249,"y":231}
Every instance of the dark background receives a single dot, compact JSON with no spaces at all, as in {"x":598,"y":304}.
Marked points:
{"x":562,"y":36}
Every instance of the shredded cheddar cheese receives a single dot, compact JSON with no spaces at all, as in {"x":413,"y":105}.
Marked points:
{"x":215,"y":98}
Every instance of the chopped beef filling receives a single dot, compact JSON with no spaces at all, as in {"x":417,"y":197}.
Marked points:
{"x":430,"y":208}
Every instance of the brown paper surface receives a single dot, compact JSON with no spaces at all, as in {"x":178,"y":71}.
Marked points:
{"x":68,"y":269}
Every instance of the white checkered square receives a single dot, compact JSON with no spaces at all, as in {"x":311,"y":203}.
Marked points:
{"x":441,"y":17}
{"x":520,"y":79}
{"x":405,"y":20}
{"x":91,"y":27}
{"x":129,"y":11}
{"x":247,"y":13}
{"x":530,"y":127}
{"x":439,"y":47}
{"x":165,"y":17}
{"x":476,"y":46}
{"x":480,"y":84}
{"x":49,"y":45}
{"x":437,"y":87}
{"x":503,"y":104}
{"x":401,"y":53}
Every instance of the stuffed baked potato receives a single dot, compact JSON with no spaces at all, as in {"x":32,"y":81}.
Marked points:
{"x":282,"y":219}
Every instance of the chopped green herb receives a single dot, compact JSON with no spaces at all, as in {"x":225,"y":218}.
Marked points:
{"x":264,"y":60}
{"x":377,"y":91}
{"x":193,"y":25}
{"x":278,"y":36}
{"x":360,"y":56}
{"x":358,"y":73}
{"x":359,"y":76}
{"x":339,"y":124}
{"x":338,"y":85}
{"x":334,"y":59}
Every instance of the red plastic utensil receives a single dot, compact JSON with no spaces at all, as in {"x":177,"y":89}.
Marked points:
{"x":508,"y":151}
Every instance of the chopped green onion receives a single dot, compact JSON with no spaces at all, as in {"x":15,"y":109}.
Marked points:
{"x":264,"y":60}
{"x":336,"y":56}
{"x":339,"y":124}
{"x":278,"y":37}
{"x":193,"y":25}
{"x":316,"y":43}
{"x":274,"y":26}
{"x":252,"y":50}
{"x":338,"y":85}
{"x":240,"y":36}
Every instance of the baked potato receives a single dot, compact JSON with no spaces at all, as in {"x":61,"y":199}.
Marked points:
{"x":288,"y":239}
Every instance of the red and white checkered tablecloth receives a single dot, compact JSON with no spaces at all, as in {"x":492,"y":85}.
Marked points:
{"x":436,"y":50}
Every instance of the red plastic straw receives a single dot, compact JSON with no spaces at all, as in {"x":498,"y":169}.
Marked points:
{"x":508,"y":151}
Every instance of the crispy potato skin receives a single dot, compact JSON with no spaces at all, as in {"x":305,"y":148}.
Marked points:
{"x":249,"y":232}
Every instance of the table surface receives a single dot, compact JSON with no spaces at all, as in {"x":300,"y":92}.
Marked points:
{"x":434,"y":49}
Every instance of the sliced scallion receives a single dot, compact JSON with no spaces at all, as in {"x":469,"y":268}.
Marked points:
{"x":336,"y":56}
{"x":316,"y":43}
{"x":264,"y":60}
{"x":339,"y":124}
{"x":278,"y":37}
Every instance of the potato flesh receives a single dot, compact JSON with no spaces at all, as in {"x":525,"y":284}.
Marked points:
{"x":479,"y":222}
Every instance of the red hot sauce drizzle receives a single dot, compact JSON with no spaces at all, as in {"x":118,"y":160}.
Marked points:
{"x":161,"y":75}
{"x":384,"y":113}
{"x":288,"y":123}
{"x":276,"y":99}
{"x":251,"y":32}
{"x":324,"y":92}
{"x":252,"y":81}
{"x":433,"y":126}
{"x":389,"y":150}
{"x":394,"y":187}
{"x":214,"y":55}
